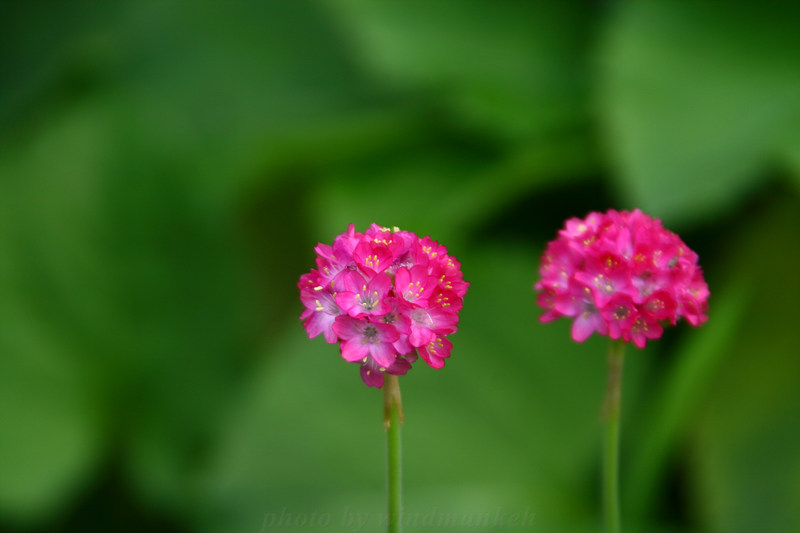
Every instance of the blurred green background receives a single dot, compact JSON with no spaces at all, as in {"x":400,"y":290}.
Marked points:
{"x":167,"y":167}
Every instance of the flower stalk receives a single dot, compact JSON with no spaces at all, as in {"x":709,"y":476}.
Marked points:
{"x":392,"y":420}
{"x":388,"y":298}
{"x":623,"y":275}
{"x":616,"y":356}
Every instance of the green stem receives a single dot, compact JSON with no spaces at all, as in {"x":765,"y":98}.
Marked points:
{"x":616,"y":356}
{"x":392,"y":420}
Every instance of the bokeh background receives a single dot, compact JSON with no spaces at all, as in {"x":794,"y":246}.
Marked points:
{"x":167,"y":167}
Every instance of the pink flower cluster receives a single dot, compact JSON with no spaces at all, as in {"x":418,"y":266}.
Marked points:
{"x":386,"y":296}
{"x":623,"y":275}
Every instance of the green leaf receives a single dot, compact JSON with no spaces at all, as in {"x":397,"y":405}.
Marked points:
{"x":516,"y":68}
{"x":696,"y":110}
{"x":52,"y":405}
{"x":113,"y":272}
{"x":441,"y":190}
{"x":792,"y":159}
{"x":52,"y":431}
{"x":137,"y":151}
{"x":668,"y":415}
{"x":214,"y":84}
{"x":746,"y":470}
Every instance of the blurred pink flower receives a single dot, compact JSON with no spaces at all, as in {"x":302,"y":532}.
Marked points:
{"x":387,"y":297}
{"x":620,"y":274}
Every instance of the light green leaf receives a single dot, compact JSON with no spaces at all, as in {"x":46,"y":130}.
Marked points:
{"x":696,"y":109}
{"x":51,"y":435}
{"x":126,"y":294}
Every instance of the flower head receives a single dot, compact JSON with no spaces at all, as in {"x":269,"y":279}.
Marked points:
{"x":387,"y":297}
{"x":620,"y":274}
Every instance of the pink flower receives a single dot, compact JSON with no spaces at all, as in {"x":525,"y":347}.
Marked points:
{"x":321,"y":308}
{"x":436,"y":351}
{"x":362,"y":297}
{"x":387,"y":297}
{"x":414,"y":286}
{"x":623,"y":275}
{"x":364,"y":339}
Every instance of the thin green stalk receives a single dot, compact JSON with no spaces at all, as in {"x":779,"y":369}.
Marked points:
{"x":616,"y":355}
{"x":392,"y":420}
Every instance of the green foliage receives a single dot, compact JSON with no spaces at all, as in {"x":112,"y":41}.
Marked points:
{"x":699,"y":101}
{"x":745,"y":447}
{"x":166,"y":169}
{"x":509,"y":68}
